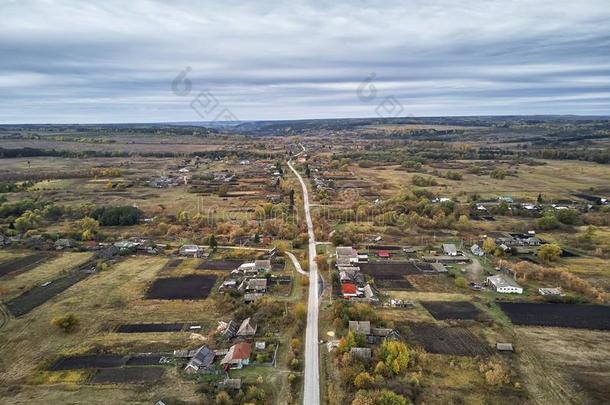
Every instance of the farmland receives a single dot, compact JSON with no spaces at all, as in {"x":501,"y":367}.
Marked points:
{"x":124,"y":254}
{"x":563,"y":315}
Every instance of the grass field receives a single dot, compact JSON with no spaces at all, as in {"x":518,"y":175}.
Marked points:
{"x":12,"y":286}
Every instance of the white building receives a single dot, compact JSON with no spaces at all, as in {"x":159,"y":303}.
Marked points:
{"x":504,"y":284}
{"x":450,"y":249}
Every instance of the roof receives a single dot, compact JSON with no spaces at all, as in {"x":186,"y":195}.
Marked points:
{"x":504,"y":347}
{"x":360,"y":327}
{"x":449,"y":248}
{"x":361,"y":352}
{"x":231,"y":383}
{"x":230,"y":330}
{"x":262,"y":264}
{"x":239,"y":351}
{"x":349,"y":288}
{"x":346,"y":251}
{"x":383,"y":332}
{"x":368,"y":292}
{"x":184,"y":248}
{"x":203,"y":358}
{"x":256,"y":284}
{"x":251,"y":297}
{"x":384,"y":253}
{"x":502,"y":280}
{"x":246,"y":328}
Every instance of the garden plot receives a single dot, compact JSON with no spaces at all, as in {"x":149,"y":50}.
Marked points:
{"x":88,"y":361}
{"x":190,"y":287}
{"x":128,"y":375}
{"x":150,"y":327}
{"x":452,"y":341}
{"x":220,"y":265}
{"x":172,"y":264}
{"x":389,"y":269}
{"x":560,"y":315}
{"x":23,"y":263}
{"x":145,"y":360}
{"x":391,"y":275}
{"x":442,"y":310}
{"x":38,"y":295}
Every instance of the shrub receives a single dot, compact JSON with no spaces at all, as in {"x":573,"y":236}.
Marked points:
{"x":549,"y":252}
{"x":461,"y":282}
{"x":67,"y":323}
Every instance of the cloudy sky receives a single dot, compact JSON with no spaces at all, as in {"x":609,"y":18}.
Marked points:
{"x":121,"y":61}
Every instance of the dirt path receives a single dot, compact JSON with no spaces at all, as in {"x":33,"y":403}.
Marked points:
{"x":474,"y":271}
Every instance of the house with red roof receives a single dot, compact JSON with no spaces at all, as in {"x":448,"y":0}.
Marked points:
{"x":237,"y":356}
{"x":384,"y":254}
{"x":349,"y":290}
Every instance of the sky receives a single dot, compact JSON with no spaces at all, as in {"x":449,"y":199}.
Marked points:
{"x":167,"y":61}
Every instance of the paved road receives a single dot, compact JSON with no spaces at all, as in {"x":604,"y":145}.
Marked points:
{"x":311,"y":390}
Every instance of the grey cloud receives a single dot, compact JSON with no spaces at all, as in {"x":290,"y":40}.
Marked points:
{"x":113,"y":61}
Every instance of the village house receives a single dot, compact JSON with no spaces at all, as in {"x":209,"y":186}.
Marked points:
{"x":362,"y":327}
{"x":252,"y":297}
{"x":374,"y":336}
{"x":262,"y":266}
{"x":237,"y":356}
{"x":228,"y":330}
{"x":63,"y":243}
{"x":201,"y":362}
{"x":384,"y":254}
{"x":378,"y":334}
{"x":504,"y":284}
{"x":349,"y":290}
{"x":476,"y":250}
{"x":246,"y":328}
{"x":227,"y":285}
{"x":361,"y":353}
{"x":450,"y":249}
{"x":504,"y":347}
{"x":190,"y":250}
{"x":550,"y":291}
{"x":346,"y":253}
{"x":230,"y":384}
{"x":254,"y":285}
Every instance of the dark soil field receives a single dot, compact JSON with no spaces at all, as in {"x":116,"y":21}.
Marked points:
{"x":128,"y":375}
{"x":396,"y":269}
{"x":560,"y":315}
{"x":172,"y":264}
{"x":23,"y":263}
{"x":181,"y":288}
{"x":150,"y":327}
{"x":391,"y":275}
{"x":88,"y":361}
{"x":452,"y":310}
{"x":394,"y":283}
{"x":452,"y":341}
{"x":150,"y":360}
{"x":222,"y":265}
{"x":38,"y":295}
